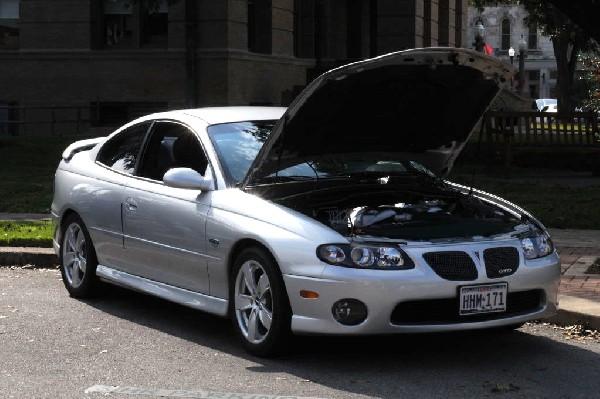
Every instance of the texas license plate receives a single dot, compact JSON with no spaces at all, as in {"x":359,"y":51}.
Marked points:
{"x":477,"y":299}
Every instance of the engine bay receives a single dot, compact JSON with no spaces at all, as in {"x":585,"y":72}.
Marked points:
{"x":424,"y":220}
{"x":418,"y":213}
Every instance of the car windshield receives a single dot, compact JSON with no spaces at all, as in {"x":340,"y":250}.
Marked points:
{"x":238,"y":143}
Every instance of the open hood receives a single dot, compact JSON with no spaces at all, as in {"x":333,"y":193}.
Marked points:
{"x":420,"y":105}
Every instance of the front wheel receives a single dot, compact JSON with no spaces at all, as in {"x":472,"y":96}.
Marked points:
{"x":259,"y":305}
{"x":77,"y":259}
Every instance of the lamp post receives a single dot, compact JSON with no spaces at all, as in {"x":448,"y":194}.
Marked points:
{"x":511,"y":55}
{"x":479,"y":36}
{"x":522,"y":51}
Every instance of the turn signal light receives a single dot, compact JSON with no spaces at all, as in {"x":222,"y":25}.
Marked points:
{"x":309,"y":294}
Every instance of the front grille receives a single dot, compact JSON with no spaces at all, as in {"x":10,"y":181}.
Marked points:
{"x":501,"y":262}
{"x":446,"y":311}
{"x":452,"y":265}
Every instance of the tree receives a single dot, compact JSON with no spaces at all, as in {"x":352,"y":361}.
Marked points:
{"x":569,"y":39}
{"x":590,"y":81}
{"x":583,"y":13}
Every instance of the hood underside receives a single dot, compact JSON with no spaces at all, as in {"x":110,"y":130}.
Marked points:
{"x":418,"y":105}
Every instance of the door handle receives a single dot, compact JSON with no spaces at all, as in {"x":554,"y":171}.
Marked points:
{"x":130,"y":204}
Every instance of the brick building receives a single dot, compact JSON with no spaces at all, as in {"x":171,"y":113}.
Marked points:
{"x":113,"y":60}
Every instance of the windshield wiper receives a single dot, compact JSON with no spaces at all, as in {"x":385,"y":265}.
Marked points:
{"x":283,"y":179}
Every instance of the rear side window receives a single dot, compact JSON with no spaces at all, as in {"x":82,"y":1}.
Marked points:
{"x":121,"y":152}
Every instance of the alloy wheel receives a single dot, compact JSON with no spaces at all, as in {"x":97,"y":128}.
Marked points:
{"x":74,"y":255}
{"x":253,"y":302}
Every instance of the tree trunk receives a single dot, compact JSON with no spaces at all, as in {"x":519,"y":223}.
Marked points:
{"x":566,"y":51}
{"x":566,"y":54}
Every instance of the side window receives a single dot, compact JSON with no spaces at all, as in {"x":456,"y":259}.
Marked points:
{"x":171,"y":145}
{"x":121,"y":152}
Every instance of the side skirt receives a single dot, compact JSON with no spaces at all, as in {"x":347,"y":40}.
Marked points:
{"x":206,"y":303}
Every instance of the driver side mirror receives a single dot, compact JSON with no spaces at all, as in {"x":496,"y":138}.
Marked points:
{"x":188,"y":178}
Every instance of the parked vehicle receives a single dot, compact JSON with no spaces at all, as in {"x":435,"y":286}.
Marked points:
{"x":330,"y":217}
{"x":546,"y":105}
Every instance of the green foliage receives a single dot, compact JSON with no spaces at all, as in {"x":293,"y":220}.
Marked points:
{"x":590,"y":79}
{"x":26,"y":233}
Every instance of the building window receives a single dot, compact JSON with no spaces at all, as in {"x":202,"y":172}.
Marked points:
{"x":505,"y":34}
{"x":260,"y":22}
{"x":118,"y":23}
{"x":533,"y":38}
{"x":9,"y":24}
{"x":133,"y":24}
{"x":9,"y":116}
{"x":304,"y":28}
{"x":155,"y":24}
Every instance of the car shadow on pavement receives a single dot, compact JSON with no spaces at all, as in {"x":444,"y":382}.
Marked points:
{"x":471,"y":364}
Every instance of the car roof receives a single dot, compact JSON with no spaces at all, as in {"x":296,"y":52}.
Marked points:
{"x":215,"y":115}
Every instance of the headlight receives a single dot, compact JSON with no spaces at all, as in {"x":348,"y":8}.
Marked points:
{"x":537,"y":245}
{"x":382,"y":257}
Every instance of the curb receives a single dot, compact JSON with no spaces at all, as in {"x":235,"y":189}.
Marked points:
{"x":41,"y":258}
{"x":573,"y":310}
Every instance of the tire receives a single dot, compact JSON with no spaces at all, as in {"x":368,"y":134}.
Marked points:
{"x":77,"y":258}
{"x":259,"y":306}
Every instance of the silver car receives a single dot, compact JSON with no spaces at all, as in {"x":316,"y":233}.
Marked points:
{"x":330,"y":217}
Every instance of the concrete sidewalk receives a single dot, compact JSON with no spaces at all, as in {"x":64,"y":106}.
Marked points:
{"x":579,"y":290}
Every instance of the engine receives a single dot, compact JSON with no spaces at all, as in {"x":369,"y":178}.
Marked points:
{"x":464,"y":217}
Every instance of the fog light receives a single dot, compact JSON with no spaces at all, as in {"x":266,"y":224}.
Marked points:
{"x":349,"y":312}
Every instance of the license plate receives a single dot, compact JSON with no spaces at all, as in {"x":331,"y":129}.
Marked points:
{"x":477,"y":299}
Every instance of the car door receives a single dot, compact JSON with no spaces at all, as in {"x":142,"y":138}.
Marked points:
{"x":165,"y":227}
{"x":117,"y":160}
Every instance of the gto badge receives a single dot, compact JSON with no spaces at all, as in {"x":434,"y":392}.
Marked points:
{"x":505,"y":271}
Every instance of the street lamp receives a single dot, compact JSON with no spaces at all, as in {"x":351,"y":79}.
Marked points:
{"x":479,"y":36}
{"x":511,"y":55}
{"x":522,"y":51}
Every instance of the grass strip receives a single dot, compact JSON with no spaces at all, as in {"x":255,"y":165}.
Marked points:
{"x":26,"y":233}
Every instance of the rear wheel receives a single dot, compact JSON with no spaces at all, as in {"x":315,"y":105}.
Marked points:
{"x":259,"y":305}
{"x":77,"y":259}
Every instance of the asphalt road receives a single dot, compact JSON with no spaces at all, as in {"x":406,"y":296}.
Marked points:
{"x":52,"y":346}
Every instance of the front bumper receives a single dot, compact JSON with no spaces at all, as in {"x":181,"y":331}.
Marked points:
{"x":432,"y":301}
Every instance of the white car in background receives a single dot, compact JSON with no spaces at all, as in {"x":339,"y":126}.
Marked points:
{"x":330,"y":217}
{"x":546,"y":105}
